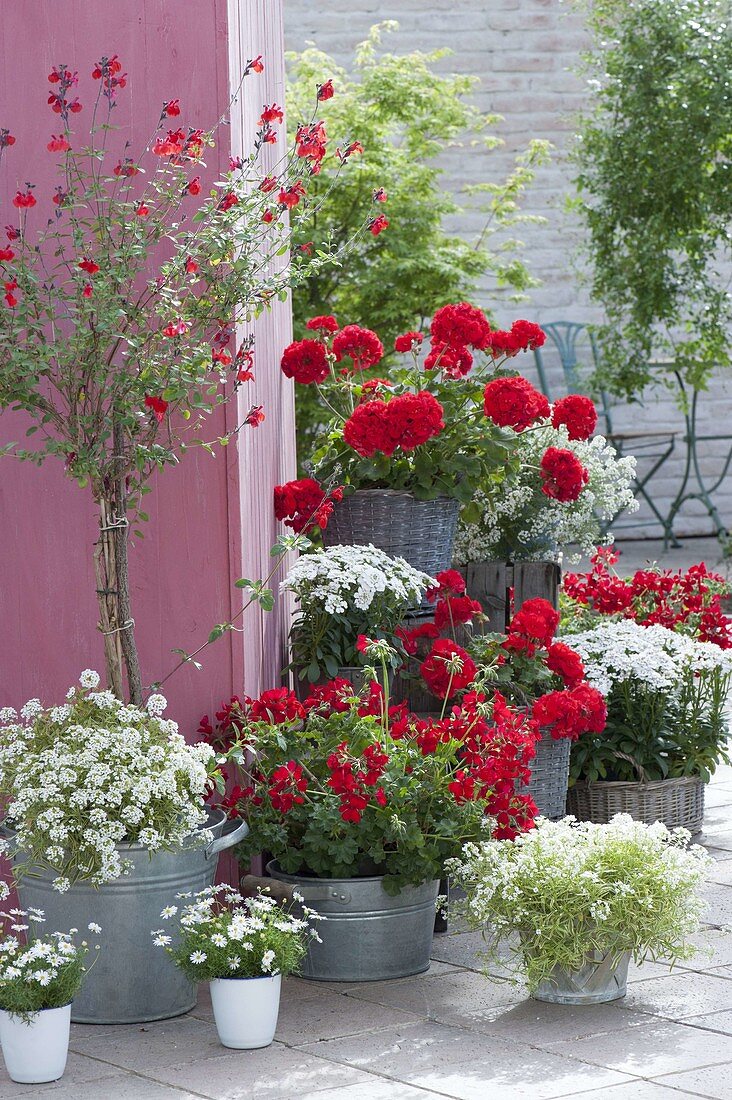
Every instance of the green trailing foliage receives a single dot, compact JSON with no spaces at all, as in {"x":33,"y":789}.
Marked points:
{"x":655,"y":186}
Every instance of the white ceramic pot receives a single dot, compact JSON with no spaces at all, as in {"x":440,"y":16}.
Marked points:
{"x":246,"y":1010}
{"x":36,"y":1051}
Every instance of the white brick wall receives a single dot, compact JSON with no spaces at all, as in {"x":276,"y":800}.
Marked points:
{"x":525,"y":53}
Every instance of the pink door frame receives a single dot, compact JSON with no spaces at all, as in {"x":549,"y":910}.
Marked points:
{"x":211,"y":520}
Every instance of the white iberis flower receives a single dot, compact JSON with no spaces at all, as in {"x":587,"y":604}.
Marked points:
{"x":340,"y":579}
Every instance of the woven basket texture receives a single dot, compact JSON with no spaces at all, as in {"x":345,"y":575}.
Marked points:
{"x":420,"y":531}
{"x":675,"y":802}
{"x":550,"y":777}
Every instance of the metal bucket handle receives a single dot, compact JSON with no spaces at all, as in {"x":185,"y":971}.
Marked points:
{"x":231,"y":835}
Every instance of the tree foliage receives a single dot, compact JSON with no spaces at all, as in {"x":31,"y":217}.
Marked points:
{"x":655,"y":185}
{"x":406,"y":115}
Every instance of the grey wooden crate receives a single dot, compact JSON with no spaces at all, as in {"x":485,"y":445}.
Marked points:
{"x":490,"y":583}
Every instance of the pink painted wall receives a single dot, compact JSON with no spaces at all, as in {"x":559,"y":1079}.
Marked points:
{"x":210,"y":520}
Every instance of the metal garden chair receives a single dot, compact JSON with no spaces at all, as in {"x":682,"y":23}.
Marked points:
{"x":652,"y":447}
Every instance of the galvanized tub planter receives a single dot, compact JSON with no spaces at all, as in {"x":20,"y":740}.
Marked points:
{"x":420,"y":531}
{"x":604,"y":977}
{"x":678,"y":803}
{"x":550,"y":777}
{"x":132,"y":981}
{"x":368,"y":935}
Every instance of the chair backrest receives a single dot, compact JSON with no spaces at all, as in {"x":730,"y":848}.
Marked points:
{"x":564,"y":337}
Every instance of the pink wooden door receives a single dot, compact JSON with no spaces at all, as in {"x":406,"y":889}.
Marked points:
{"x":210,"y":521}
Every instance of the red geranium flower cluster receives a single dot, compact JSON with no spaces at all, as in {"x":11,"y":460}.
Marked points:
{"x":448,"y":669}
{"x":563,"y":474}
{"x":532,"y":627}
{"x":287,"y":787}
{"x":306,"y":361}
{"x":577,"y":413}
{"x":689,"y":601}
{"x":522,"y":336}
{"x":514,"y":403}
{"x":361,"y":345}
{"x":572,"y":712}
{"x":454,"y":329}
{"x":304,"y":504}
{"x":355,"y":781}
{"x":406,"y":421}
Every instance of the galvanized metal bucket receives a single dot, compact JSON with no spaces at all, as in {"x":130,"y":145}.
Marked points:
{"x":368,"y":935}
{"x":132,"y":980}
{"x":602,"y":978}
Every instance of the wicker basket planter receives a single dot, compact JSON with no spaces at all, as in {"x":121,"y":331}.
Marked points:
{"x":550,"y":777}
{"x":675,"y":802}
{"x":420,"y":531}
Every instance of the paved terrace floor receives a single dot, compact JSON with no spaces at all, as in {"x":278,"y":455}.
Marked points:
{"x":452,"y":1032}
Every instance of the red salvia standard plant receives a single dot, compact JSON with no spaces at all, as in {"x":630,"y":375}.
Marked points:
{"x":122,"y":292}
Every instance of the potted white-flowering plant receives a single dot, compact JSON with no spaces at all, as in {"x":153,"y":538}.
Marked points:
{"x":577,"y":900}
{"x":104,"y":805}
{"x":347,"y":592}
{"x":667,"y":724}
{"x":525,"y":523}
{"x":39,"y":977}
{"x":242,"y":946}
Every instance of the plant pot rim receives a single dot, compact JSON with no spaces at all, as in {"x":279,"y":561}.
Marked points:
{"x":399,"y":492}
{"x":273,"y":865}
{"x":678,"y":780}
{"x":219,"y":818}
{"x":36,"y":1011}
{"x":257,"y":978}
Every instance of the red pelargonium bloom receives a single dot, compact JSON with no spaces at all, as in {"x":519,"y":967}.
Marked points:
{"x":6,"y":255}
{"x":454,"y":362}
{"x":452,"y":610}
{"x":336,"y":696}
{"x":171,"y":108}
{"x":193,"y":187}
{"x":89,"y":266}
{"x":565,"y":663}
{"x":349,"y":150}
{"x":276,"y":706}
{"x":379,"y":195}
{"x":306,"y":361}
{"x":460,"y":325}
{"x":533,"y":625}
{"x":406,"y":421}
{"x":23,"y":200}
{"x":158,"y":406}
{"x":449,"y":583}
{"x":579,"y":709}
{"x":11,"y":300}
{"x":6,"y":138}
{"x":58,"y":144}
{"x":563,"y":474}
{"x":304,"y":504}
{"x":577,"y":413}
{"x":324,"y":324}
{"x":88,"y":290}
{"x":522,"y":336}
{"x":257,"y":65}
{"x":448,"y":668}
{"x":359,"y":344}
{"x":326,"y":91}
{"x":142,"y":211}
{"x":255,"y":416}
{"x":287,"y":784}
{"x":514,"y":403}
{"x":408,"y":341}
{"x":411,"y":638}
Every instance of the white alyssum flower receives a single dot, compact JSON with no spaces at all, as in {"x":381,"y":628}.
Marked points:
{"x":92,"y":775}
{"x":343,"y":578}
{"x":89,"y":679}
{"x":520,"y":516}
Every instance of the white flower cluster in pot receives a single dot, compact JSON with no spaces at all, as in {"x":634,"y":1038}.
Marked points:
{"x":343,"y":578}
{"x":662,"y":660}
{"x":83,"y":781}
{"x":569,"y":888}
{"x":520,"y":522}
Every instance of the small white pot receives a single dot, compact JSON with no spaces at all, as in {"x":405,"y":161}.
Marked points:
{"x":246,"y":1010}
{"x":36,"y":1051}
